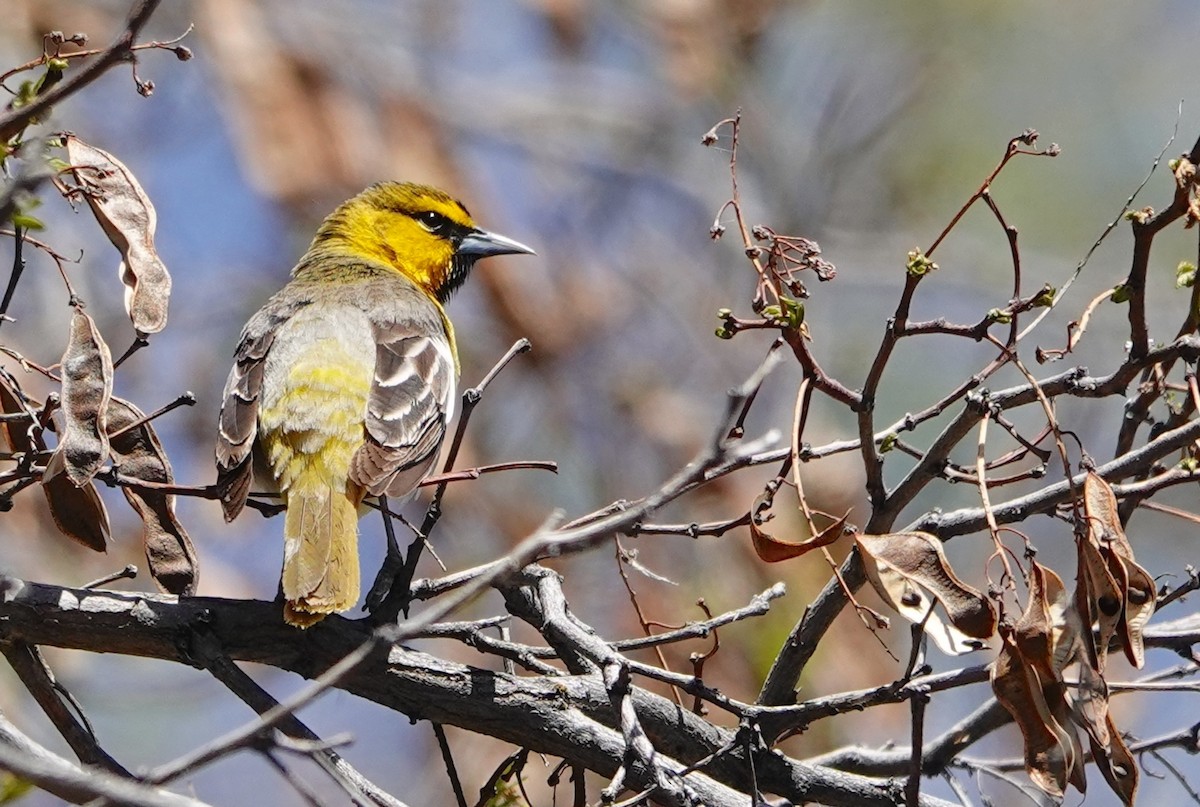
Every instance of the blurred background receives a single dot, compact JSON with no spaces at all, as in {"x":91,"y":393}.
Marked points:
{"x":575,"y":127}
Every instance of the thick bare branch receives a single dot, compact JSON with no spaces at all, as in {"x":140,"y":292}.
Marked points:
{"x":525,"y":711}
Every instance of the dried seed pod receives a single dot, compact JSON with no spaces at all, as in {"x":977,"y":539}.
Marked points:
{"x":14,"y":402}
{"x":1117,"y":764}
{"x":78,"y":512}
{"x":139,"y":454}
{"x":86,"y":388}
{"x":1053,"y":754}
{"x":1127,"y":602}
{"x":911,"y":573}
{"x":125,"y":213}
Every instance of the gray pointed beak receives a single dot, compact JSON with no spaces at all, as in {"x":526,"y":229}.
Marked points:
{"x":482,"y":244}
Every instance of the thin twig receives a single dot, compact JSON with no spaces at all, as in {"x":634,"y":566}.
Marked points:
{"x":121,"y":50}
{"x":72,"y":724}
{"x":360,"y":789}
{"x":460,"y":798}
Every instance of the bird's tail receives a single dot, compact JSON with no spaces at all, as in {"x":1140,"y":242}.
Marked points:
{"x":320,"y":555}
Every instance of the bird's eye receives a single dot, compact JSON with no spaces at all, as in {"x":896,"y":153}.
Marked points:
{"x":433,"y":221}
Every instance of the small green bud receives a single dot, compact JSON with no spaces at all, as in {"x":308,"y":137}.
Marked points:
{"x":1045,"y":297}
{"x":918,"y":264}
{"x":57,"y":64}
{"x":27,"y":222}
{"x":25,"y":94}
{"x":1185,"y":275}
{"x":1171,"y":399}
{"x":888,"y":442}
{"x":788,"y":314}
{"x":999,"y":315}
{"x":1120,"y":293}
{"x":793,"y":311}
{"x":23,"y":218}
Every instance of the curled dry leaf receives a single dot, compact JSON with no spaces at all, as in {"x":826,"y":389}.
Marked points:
{"x":911,"y":573}
{"x":86,"y":388}
{"x":138,"y":454}
{"x":124,"y":212}
{"x":78,"y":512}
{"x":772,"y":549}
{"x":1120,"y":593}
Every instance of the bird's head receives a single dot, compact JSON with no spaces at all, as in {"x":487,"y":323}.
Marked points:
{"x":420,"y":231}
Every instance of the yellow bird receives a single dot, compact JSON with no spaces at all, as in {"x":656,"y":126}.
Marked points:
{"x":345,"y":380}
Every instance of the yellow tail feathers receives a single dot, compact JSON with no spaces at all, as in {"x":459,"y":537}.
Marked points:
{"x":320,"y":556}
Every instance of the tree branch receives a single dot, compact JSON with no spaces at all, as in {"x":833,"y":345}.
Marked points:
{"x":525,"y":711}
{"x":120,"y":51}
{"x":25,"y":758}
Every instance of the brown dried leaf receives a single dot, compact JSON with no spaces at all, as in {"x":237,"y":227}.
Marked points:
{"x":86,"y":387}
{"x":125,"y":213}
{"x":78,"y":512}
{"x":138,"y":454}
{"x":1050,"y":756}
{"x":910,"y":572}
{"x":773,"y":550}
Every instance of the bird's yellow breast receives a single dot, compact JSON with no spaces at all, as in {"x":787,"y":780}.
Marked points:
{"x":316,"y":381}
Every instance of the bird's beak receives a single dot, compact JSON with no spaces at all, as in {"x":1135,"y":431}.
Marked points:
{"x":482,"y":244}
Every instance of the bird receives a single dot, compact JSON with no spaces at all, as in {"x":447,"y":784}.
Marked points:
{"x":344,"y":381}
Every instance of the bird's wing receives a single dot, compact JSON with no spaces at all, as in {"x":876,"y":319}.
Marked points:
{"x":238,"y":424}
{"x":408,"y":407}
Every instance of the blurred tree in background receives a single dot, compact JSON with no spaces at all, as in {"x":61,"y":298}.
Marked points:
{"x":576,"y":127}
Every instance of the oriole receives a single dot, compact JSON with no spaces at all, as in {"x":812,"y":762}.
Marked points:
{"x":345,"y":380}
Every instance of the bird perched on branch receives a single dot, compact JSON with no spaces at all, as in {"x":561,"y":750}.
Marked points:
{"x":345,"y":380}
